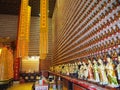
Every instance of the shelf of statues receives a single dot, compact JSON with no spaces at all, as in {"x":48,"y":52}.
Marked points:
{"x":103,"y":69}
{"x":107,"y":33}
{"x":87,"y":73}
{"x":114,"y":5}
{"x":102,"y":16}
{"x":100,"y":47}
{"x":102,"y":37}
{"x":107,"y":42}
{"x":110,"y":22}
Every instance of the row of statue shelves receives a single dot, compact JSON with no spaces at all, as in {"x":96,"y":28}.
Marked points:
{"x":102,"y":69}
{"x":79,"y":84}
{"x":94,"y":51}
{"x":92,"y":16}
{"x":93,"y":27}
{"x":111,"y":6}
{"x":116,"y":27}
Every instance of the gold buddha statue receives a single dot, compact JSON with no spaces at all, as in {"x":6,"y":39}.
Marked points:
{"x":67,"y":69}
{"x":95,"y":71}
{"x":102,"y":72}
{"x":111,"y":72}
{"x":85,"y":70}
{"x":80,"y":72}
{"x":114,"y":53}
{"x":117,"y":28}
{"x":90,"y":71}
{"x":118,"y":67}
{"x":117,"y":41}
{"x":112,"y":42}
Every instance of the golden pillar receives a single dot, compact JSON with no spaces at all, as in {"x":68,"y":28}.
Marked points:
{"x":43,"y":28}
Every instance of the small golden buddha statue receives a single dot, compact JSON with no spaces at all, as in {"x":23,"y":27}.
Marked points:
{"x":90,"y":71}
{"x":112,"y":42}
{"x":117,"y":28}
{"x":71,"y":68}
{"x":110,"y":10}
{"x":117,"y":3}
{"x":80,"y":73}
{"x":114,"y":6}
{"x":95,"y":71}
{"x":108,"y":22}
{"x":67,"y":69}
{"x":79,"y":66}
{"x":114,"y":53}
{"x":113,"y":31}
{"x":106,"y":12}
{"x":117,"y":41}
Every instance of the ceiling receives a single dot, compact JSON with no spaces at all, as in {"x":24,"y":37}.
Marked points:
{"x":11,"y":7}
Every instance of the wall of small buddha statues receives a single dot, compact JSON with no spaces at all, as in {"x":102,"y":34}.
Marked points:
{"x":87,"y":40}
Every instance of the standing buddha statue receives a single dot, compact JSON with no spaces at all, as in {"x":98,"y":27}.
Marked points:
{"x":85,"y":70}
{"x":95,"y":71}
{"x":63,"y":69}
{"x":111,"y":72}
{"x":118,"y":67}
{"x":79,"y":66}
{"x":76,"y":71}
{"x":90,"y":71}
{"x":72,"y":69}
{"x":75,"y":68}
{"x":67,"y":69}
{"x":101,"y":70}
{"x":81,"y":71}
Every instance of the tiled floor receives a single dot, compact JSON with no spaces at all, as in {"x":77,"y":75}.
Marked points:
{"x":25,"y":86}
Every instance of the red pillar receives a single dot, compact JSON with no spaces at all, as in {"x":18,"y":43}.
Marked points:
{"x":17,"y":69}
